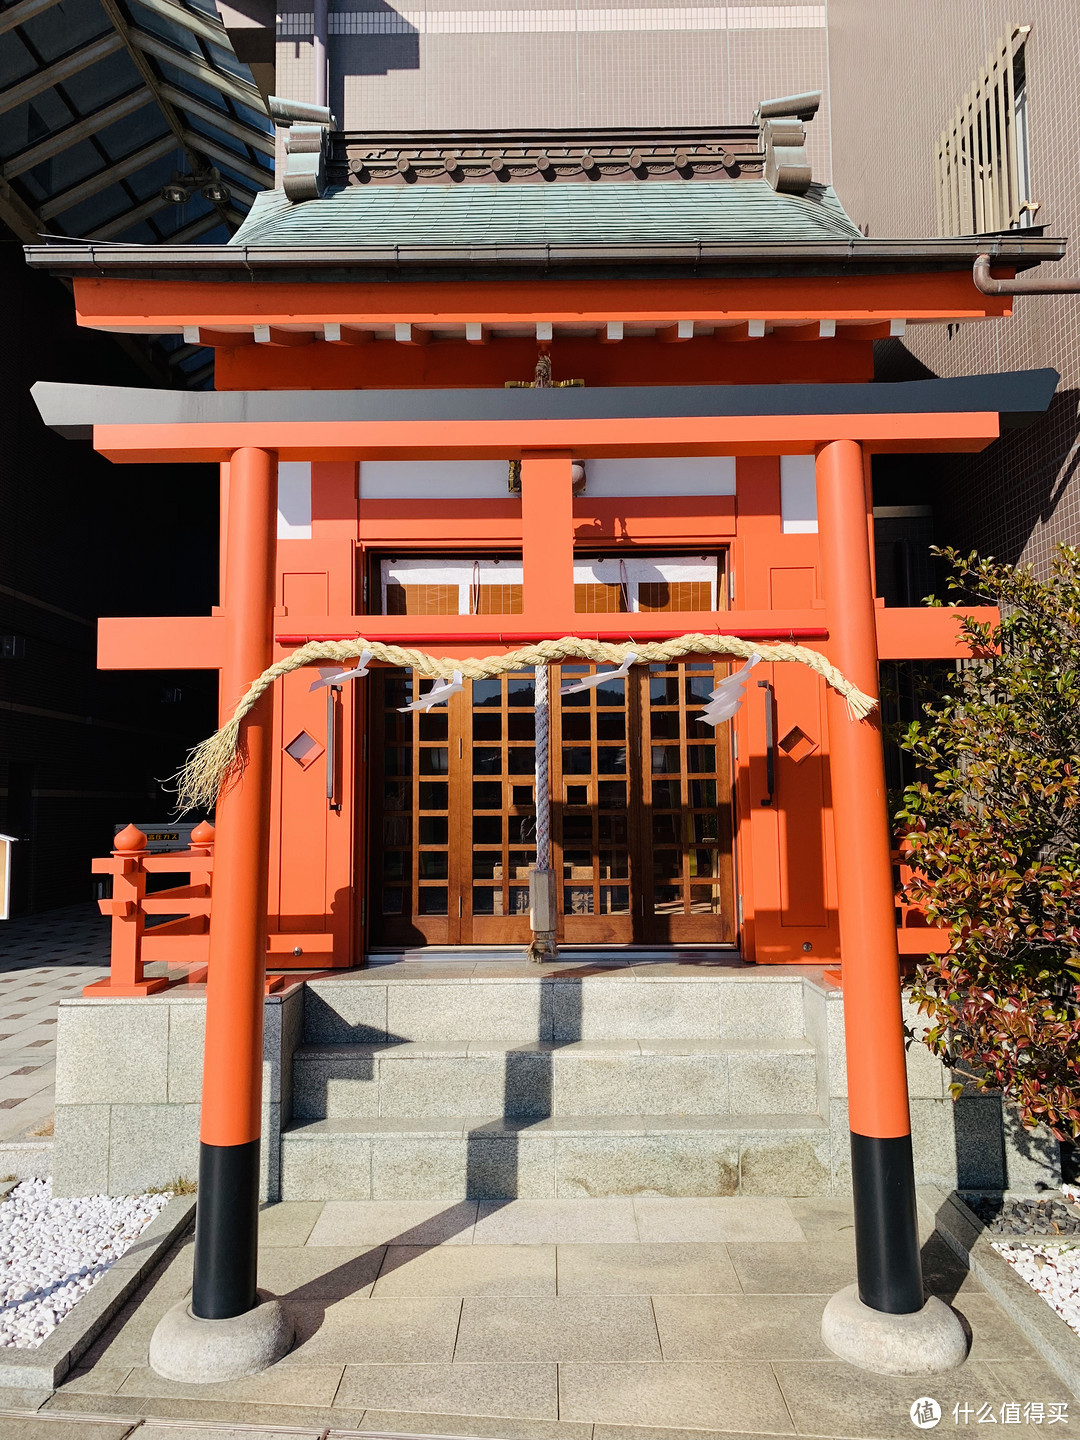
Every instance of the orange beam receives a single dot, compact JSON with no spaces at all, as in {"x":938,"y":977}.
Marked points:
{"x":189,"y":642}
{"x":928,"y":632}
{"x":507,"y":439}
{"x":143,"y":306}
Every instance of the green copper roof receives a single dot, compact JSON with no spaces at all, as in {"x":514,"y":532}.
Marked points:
{"x":715,"y":212}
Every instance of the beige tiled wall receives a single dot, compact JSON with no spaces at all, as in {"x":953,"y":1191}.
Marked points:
{"x":897,"y":72}
{"x":521,"y":63}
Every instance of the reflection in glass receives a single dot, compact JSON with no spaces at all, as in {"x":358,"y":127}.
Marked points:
{"x":434,"y":725}
{"x":666,"y":795}
{"x":487,"y":692}
{"x":432,"y":900}
{"x":434,"y":761}
{"x":611,"y":760}
{"x":396,"y":830}
{"x":520,"y":692}
{"x":521,"y":829}
{"x":576,"y":760}
{"x":433,"y":829}
{"x":393,"y":865}
{"x":611,"y":795}
{"x":614,"y":899}
{"x":577,"y":899}
{"x":485,"y":863}
{"x":397,"y":795}
{"x":487,"y":727}
{"x":486,"y":762}
{"x":521,"y":760}
{"x":703,"y":794}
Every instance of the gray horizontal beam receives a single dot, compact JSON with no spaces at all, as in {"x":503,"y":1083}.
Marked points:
{"x":94,"y":184}
{"x":20,"y":13}
{"x":193,"y":20}
{"x":83,"y":129}
{"x":257,"y":139}
{"x":72,"y":408}
{"x":196,"y":66}
{"x":261,"y":179}
{"x":43,"y":80}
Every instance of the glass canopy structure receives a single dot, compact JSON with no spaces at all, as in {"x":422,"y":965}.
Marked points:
{"x":103,"y":103}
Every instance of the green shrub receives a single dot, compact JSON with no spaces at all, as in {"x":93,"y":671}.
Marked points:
{"x":992,"y":829}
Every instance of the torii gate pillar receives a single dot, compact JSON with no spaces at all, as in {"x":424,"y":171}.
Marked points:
{"x":884,"y":1323}
{"x":230,"y":1330}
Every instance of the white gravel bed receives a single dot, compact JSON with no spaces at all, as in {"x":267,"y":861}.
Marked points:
{"x":52,"y":1252}
{"x":1053,"y":1270}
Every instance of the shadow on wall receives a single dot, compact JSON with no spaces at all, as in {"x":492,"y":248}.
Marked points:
{"x":376,"y":41}
{"x":993,"y":1149}
{"x":998,"y":500}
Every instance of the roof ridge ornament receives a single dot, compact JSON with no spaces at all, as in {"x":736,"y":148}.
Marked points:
{"x":307,"y":146}
{"x":783,"y":138}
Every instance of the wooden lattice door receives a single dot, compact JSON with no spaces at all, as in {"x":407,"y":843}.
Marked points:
{"x":454,"y":824}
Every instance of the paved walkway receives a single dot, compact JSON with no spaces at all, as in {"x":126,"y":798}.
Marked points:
{"x":534,"y":1320}
{"x":44,"y":959}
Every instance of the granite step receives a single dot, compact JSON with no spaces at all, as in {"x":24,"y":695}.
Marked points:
{"x":513,"y":1003}
{"x":563,"y":1156}
{"x":418,"y":1079}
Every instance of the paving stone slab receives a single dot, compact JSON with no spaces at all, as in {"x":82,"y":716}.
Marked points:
{"x":467,"y":1270}
{"x":526,"y":1391}
{"x":676,"y":1269}
{"x":709,"y":1396}
{"x":498,"y":1330}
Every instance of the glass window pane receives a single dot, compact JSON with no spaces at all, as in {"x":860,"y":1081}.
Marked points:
{"x":577,"y":829}
{"x":611,"y":727}
{"x":487,"y":727}
{"x":519,"y":900}
{"x":487,"y":829}
{"x":434,"y":725}
{"x":664,"y":724}
{"x":576,"y":761}
{"x":486,"y":864}
{"x":433,"y":795}
{"x":397,"y":760}
{"x":520,"y":863}
{"x":664,"y":690}
{"x":483,"y":900}
{"x":393,"y":901}
{"x":521,"y":692}
{"x":611,"y":760}
{"x":397,"y":830}
{"x":577,"y":727}
{"x":703,"y":794}
{"x":611,"y":795}
{"x":432,"y":900}
{"x":393,"y":864}
{"x":666,"y":795}
{"x":705,"y":900}
{"x":397,"y":795}
{"x":665,"y":829}
{"x":577,"y":865}
{"x":521,"y":760}
{"x":706,"y":829}
{"x":578,"y":899}
{"x":521,"y":726}
{"x":700,"y":757}
{"x":521,"y":829}
{"x":611,"y":692}
{"x":487,"y":692}
{"x":611,"y":829}
{"x":699,"y":687}
{"x":487,"y":795}
{"x":667,"y":865}
{"x":665,"y":759}
{"x":614,"y":900}
{"x":433,"y":864}
{"x":433,"y":829}
{"x":704,"y":863}
{"x":434,"y":761}
{"x":667,"y":900}
{"x":487,"y":762}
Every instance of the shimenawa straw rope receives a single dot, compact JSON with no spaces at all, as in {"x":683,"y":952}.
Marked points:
{"x":211,"y":763}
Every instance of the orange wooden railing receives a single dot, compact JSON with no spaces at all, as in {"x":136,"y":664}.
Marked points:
{"x":181,"y":942}
{"x":178,"y":948}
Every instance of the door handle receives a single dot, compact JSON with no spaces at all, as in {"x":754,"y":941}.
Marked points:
{"x":331,"y":746}
{"x":770,"y":740}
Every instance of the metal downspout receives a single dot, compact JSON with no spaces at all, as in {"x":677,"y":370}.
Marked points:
{"x":1059,"y":285}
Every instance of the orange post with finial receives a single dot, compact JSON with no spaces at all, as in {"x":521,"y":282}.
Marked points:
{"x":125,"y":865}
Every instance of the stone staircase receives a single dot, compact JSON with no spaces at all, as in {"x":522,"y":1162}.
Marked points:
{"x":495,"y":1080}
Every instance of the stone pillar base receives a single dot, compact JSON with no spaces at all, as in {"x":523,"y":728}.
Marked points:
{"x":929,"y":1342}
{"x":196,"y":1352}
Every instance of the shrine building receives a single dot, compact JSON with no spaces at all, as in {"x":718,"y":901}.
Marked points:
{"x":485,"y":393}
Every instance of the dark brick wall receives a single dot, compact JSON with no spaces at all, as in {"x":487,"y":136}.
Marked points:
{"x":82,"y":749}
